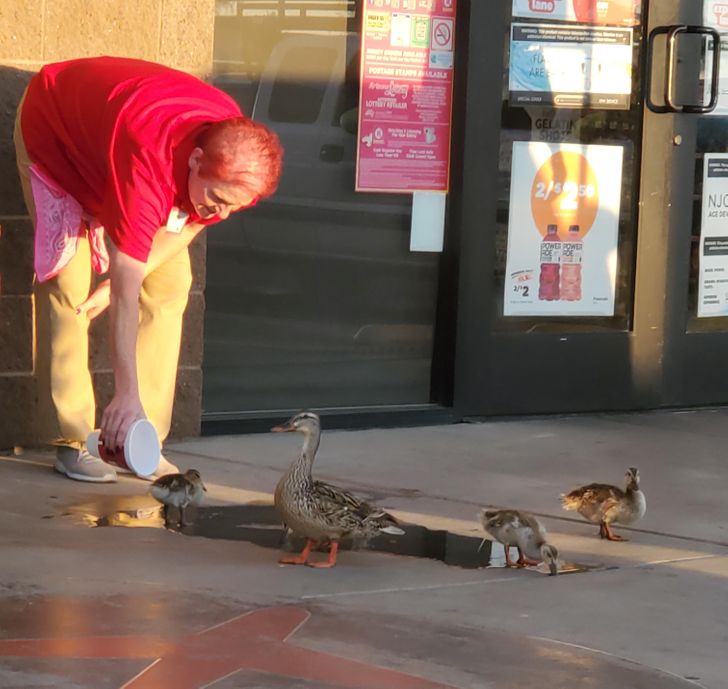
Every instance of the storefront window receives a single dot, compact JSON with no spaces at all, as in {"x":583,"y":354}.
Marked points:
{"x":598,"y":146}
{"x":313,"y":297}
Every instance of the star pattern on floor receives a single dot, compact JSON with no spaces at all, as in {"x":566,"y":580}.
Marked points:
{"x":254,"y":641}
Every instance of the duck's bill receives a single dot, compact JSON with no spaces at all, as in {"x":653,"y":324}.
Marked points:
{"x":285,"y":428}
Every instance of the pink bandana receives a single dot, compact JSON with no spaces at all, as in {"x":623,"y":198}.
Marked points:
{"x":60,"y":221}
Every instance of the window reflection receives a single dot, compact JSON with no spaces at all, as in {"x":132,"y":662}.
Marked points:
{"x":313,"y":297}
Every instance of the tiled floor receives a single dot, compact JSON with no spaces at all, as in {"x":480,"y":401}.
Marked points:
{"x":152,"y":642}
{"x":147,"y":608}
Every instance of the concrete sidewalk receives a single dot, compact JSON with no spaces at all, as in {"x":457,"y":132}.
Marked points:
{"x":652,"y":613}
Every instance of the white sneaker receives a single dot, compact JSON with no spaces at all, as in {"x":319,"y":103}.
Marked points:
{"x":80,"y":465}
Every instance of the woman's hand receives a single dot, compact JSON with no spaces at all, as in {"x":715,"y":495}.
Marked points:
{"x":96,"y":304}
{"x":122,"y":412}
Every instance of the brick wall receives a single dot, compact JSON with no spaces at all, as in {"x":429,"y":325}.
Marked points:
{"x":178,"y":33}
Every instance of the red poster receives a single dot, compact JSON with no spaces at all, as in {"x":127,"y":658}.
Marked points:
{"x":405,"y":103}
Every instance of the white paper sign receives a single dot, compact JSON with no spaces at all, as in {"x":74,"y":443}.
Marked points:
{"x":570,"y":66}
{"x":427,"y":230}
{"x":713,"y":272}
{"x":562,"y":230}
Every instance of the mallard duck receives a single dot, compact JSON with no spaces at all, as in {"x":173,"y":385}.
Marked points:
{"x":318,"y":511}
{"x":605,"y":504}
{"x":524,"y":532}
{"x":178,"y":490}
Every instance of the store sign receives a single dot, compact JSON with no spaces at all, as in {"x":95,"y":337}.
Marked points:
{"x":562,"y":230}
{"x":408,"y":49}
{"x":615,"y":12}
{"x":552,"y":125}
{"x":713,"y":260}
{"x":570,"y":66}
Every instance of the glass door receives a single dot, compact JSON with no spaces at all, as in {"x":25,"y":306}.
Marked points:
{"x":557,"y":228}
{"x":687,"y":36}
{"x":594,"y":272}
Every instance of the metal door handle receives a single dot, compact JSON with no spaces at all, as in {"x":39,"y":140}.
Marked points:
{"x":672,"y":33}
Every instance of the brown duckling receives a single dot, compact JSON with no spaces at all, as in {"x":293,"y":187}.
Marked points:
{"x":180,"y":491}
{"x":604,"y":504}
{"x":524,"y":532}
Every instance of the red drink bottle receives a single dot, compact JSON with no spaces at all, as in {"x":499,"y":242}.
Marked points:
{"x":548,"y":279}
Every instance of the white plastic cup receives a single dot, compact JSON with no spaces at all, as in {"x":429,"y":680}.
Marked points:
{"x":141,"y":449}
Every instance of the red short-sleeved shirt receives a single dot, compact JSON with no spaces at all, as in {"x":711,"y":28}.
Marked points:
{"x":117,"y":135}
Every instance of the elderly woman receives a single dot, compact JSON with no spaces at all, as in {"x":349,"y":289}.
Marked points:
{"x":123,"y":163}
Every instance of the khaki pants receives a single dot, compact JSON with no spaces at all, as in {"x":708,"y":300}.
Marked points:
{"x":65,"y":390}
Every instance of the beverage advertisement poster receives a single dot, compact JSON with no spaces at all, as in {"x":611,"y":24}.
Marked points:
{"x":614,"y":12}
{"x":570,"y":66}
{"x":562,"y":230}
{"x":408,"y":55}
{"x":713,"y":256}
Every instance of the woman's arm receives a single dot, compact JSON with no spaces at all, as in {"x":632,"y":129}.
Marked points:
{"x":126,"y":275}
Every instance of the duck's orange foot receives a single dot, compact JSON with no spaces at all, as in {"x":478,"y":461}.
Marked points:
{"x":525,"y":562}
{"x":300,"y":559}
{"x":610,"y":535}
{"x":331,"y":562}
{"x":293,"y":560}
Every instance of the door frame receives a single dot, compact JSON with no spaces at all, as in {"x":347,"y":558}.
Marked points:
{"x":656,"y":362}
{"x":493,"y":369}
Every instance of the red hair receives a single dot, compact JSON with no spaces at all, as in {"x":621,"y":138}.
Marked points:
{"x":243,"y":152}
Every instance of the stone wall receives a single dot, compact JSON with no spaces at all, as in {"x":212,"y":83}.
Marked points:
{"x":178,"y":33}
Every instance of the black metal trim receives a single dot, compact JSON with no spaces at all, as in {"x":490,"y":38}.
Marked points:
{"x":477,"y":200}
{"x":444,"y":346}
{"x":349,"y":418}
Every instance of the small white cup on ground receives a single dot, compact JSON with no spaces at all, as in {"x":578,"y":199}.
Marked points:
{"x":141,"y":449}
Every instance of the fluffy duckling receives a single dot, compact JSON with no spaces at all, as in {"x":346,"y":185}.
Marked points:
{"x":178,"y":490}
{"x":524,"y":532}
{"x":320,"y":512}
{"x":606,"y":504}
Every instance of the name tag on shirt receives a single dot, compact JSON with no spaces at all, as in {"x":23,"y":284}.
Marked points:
{"x":177,"y":220}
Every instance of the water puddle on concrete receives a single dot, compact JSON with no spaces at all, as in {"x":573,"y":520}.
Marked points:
{"x":130,"y":511}
{"x":260,"y":525}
